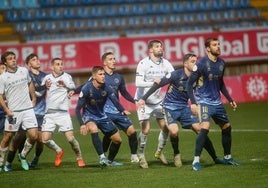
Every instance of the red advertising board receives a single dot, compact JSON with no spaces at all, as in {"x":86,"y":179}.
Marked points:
{"x":237,"y":45}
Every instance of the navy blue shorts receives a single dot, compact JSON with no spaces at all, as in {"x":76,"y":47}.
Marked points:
{"x":182,"y":115}
{"x":216,"y":112}
{"x":106,"y":125}
{"x":121,"y":121}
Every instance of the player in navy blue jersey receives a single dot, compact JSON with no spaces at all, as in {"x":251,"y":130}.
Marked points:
{"x":91,"y":101}
{"x":204,"y":87}
{"x":176,"y":108}
{"x":117,"y":83}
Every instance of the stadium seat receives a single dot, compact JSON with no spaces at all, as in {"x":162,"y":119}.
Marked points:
{"x":27,"y":14}
{"x":18,"y":4}
{"x":96,"y":11}
{"x":41,"y":14}
{"x":5,"y":4}
{"x":56,"y":13}
{"x":83,"y":12}
{"x":32,"y":3}
{"x":12,"y":15}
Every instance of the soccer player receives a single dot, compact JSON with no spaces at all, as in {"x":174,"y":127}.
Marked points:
{"x":150,"y":69}
{"x":207,"y":78}
{"x":18,"y":89}
{"x":2,"y":112}
{"x":91,"y":101}
{"x":122,"y":121}
{"x":176,"y":108}
{"x":57,"y":111}
{"x":37,"y":76}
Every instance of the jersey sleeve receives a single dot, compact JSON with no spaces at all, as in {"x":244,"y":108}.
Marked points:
{"x":140,"y":75}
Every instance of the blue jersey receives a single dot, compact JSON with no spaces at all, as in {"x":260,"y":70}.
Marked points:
{"x":208,"y":77}
{"x":40,"y":92}
{"x":117,"y":84}
{"x":92,"y":100}
{"x":176,"y":95}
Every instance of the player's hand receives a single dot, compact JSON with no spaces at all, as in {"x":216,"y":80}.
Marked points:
{"x":48,"y":83}
{"x":140,"y":104}
{"x":70,"y":93}
{"x":234,"y":105}
{"x":126,"y":112}
{"x":83,"y":130}
{"x":194,"y":109}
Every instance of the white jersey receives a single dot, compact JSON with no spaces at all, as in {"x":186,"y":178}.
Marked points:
{"x":147,"y":71}
{"x":15,"y":87}
{"x":57,"y":96}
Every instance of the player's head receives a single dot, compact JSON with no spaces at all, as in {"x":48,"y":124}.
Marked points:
{"x":212,"y":46}
{"x":9,"y":59}
{"x":57,"y":66}
{"x":32,"y":61}
{"x":189,"y":60}
{"x":98,"y":74}
{"x":155,"y":48}
{"x":108,"y":60}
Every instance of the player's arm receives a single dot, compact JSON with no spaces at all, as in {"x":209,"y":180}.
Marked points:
{"x":124,"y":92}
{"x":190,"y":90}
{"x":80,"y":103}
{"x":5,"y":107}
{"x":32,"y":93}
{"x":140,"y":77}
{"x":225,"y":92}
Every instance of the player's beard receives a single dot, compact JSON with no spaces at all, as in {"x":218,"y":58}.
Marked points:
{"x":216,"y":52}
{"x":159,"y":54}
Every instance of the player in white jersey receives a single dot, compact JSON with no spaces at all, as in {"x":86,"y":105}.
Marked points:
{"x":57,"y":111}
{"x":150,"y":69}
{"x":18,"y":90}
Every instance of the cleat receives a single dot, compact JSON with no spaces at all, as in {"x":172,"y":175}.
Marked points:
{"x":143,"y":162}
{"x":24,"y":162}
{"x":8,"y":168}
{"x":196,"y":166}
{"x":34,"y":162}
{"x":81,"y":163}
{"x":58,"y":159}
{"x":103,"y":162}
{"x":114,"y":163}
{"x":230,"y":161}
{"x":177,"y":160}
{"x":134,"y":158}
{"x":159,"y":155}
{"x":218,"y":161}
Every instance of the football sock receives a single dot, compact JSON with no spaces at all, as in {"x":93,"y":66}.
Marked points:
{"x":52,"y":145}
{"x":210,"y":148}
{"x":27,"y":148}
{"x":133,"y":143}
{"x":200,"y":141}
{"x":196,"y":159}
{"x":143,"y":140}
{"x":162,"y":140}
{"x":3,"y":152}
{"x":10,"y":156}
{"x":113,"y":150}
{"x":76,"y":147}
{"x":97,"y":143}
{"x":106,"y":142}
{"x":175,"y":144}
{"x":226,"y":140}
{"x":39,"y":148}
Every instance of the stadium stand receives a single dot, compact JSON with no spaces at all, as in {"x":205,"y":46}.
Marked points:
{"x":37,"y":20}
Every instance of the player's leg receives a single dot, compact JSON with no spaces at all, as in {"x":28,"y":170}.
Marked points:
{"x":174,"y":139}
{"x":114,"y":148}
{"x":7,"y":137}
{"x":133,"y":143}
{"x":76,"y":148}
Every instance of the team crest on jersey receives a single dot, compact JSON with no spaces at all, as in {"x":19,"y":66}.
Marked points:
{"x":103,"y":93}
{"x":210,"y":76}
{"x":221,"y":67}
{"x":195,"y":68}
{"x":116,"y":80}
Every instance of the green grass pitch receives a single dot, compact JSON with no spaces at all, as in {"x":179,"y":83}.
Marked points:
{"x":250,"y":136}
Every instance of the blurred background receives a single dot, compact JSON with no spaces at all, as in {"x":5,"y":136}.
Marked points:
{"x":79,"y":31}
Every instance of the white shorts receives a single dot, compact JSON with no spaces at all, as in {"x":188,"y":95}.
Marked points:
{"x":150,"y":110}
{"x":61,"y":119}
{"x":26,"y":119}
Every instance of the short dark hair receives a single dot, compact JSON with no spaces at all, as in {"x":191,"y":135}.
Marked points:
{"x":55,"y":59}
{"x":152,"y":42}
{"x":95,"y":69}
{"x":209,"y":40}
{"x":103,"y":57}
{"x":187,"y":56}
{"x":29,"y":57}
{"x":5,"y":54}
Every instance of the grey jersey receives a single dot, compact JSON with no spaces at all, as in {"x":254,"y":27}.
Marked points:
{"x":15,"y":87}
{"x":57,"y":96}
{"x":147,"y":71}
